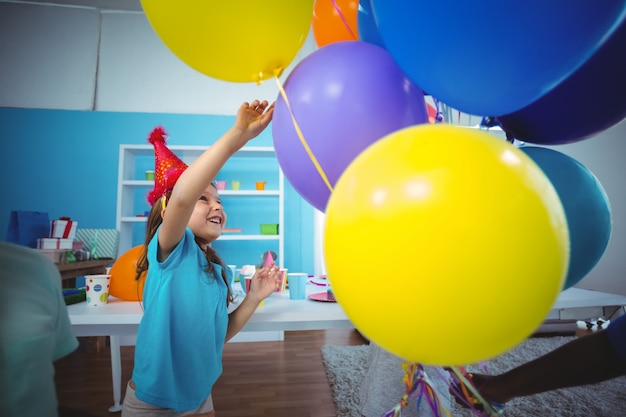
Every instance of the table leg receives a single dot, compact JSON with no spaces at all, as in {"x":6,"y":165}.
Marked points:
{"x":116,"y":373}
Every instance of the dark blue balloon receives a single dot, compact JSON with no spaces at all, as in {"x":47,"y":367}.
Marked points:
{"x":587,"y":102}
{"x":493,"y":57}
{"x":586,"y":208}
{"x":368,"y":30}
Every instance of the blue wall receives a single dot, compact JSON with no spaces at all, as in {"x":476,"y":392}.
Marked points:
{"x":65,"y":163}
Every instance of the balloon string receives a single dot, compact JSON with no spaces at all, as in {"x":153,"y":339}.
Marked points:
{"x":345,"y":22}
{"x":461,"y":375}
{"x":299,"y":132}
{"x":415,"y":384}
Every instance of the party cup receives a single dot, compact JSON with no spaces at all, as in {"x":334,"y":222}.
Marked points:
{"x":97,"y":289}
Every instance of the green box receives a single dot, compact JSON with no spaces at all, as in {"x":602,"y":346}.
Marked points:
{"x":269,"y":229}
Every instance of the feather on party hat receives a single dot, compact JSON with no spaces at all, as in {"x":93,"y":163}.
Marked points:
{"x":167,"y":166}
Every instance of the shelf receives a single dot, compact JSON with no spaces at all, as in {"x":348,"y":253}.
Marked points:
{"x":233,"y":236}
{"x":250,"y":161}
{"x":193,"y":151}
{"x":258,"y":193}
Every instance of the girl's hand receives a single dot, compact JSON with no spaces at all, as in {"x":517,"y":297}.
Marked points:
{"x":264,"y":282}
{"x":253,"y":118}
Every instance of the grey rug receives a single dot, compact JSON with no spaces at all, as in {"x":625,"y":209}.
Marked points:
{"x":346,"y":366}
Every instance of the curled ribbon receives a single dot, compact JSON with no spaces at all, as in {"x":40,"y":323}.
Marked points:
{"x":318,"y":167}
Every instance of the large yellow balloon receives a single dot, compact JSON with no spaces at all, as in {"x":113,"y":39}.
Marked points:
{"x":239,"y":41}
{"x":445,"y":245}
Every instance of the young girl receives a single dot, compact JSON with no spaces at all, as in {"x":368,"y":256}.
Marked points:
{"x":178,"y":355}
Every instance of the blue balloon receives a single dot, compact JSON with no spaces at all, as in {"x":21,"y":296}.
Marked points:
{"x":368,"y":30}
{"x":493,"y":57}
{"x":586,"y":208}
{"x":587,"y":102}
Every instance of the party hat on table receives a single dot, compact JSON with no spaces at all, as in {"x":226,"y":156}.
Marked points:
{"x":167,"y":166}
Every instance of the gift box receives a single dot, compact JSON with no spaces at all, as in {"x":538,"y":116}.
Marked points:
{"x":101,"y":243}
{"x":63,"y":228}
{"x":55,"y":255}
{"x":54,"y":243}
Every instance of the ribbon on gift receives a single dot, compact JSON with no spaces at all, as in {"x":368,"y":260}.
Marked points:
{"x":66,"y":230}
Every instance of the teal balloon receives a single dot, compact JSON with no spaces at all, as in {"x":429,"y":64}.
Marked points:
{"x":586,"y":206}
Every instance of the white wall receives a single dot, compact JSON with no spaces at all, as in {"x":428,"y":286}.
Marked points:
{"x":82,"y":58}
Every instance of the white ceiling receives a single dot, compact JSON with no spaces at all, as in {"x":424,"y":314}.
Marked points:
{"x":132,"y":5}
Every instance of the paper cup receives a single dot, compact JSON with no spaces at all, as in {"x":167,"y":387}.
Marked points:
{"x":245,"y":283}
{"x":221,"y":185}
{"x":283,"y":280}
{"x":236,"y":185}
{"x":297,"y":285}
{"x":97,"y":289}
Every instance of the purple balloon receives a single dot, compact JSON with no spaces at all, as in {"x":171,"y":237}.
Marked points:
{"x":344,"y":96}
{"x":587,"y":102}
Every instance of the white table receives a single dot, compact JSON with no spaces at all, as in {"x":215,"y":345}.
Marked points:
{"x":121,"y":318}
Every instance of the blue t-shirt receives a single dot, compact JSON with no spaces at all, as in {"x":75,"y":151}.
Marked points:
{"x":617,"y":335}
{"x":178,"y":356}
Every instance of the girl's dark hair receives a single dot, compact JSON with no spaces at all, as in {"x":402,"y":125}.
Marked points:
{"x":153,"y":223}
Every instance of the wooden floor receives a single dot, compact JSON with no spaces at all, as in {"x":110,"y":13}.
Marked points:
{"x":259,"y":379}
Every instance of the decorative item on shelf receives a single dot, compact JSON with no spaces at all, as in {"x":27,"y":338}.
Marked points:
{"x":149,"y":175}
{"x":221,"y":185}
{"x":267,"y":257}
{"x":235,"y":184}
{"x":63,"y":228}
{"x":269,"y":229}
{"x":260,"y":185}
{"x":232,"y":230}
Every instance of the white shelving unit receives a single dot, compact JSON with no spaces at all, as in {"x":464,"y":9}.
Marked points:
{"x":131,"y":185}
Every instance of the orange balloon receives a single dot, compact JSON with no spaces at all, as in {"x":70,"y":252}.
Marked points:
{"x":335,"y":21}
{"x":123,"y":283}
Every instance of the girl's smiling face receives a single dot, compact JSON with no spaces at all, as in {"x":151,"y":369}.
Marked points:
{"x":208,"y":217}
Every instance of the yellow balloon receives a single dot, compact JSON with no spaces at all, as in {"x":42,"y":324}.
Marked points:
{"x":239,"y":41}
{"x":445,"y":245}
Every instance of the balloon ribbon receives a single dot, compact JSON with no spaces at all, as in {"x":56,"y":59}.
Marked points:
{"x":345,"y":22}
{"x":468,"y":394}
{"x":416,"y":386}
{"x":302,"y":140}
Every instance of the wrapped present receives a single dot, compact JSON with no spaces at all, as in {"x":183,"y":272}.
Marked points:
{"x":55,"y":255}
{"x":101,"y":243}
{"x":54,"y":243}
{"x":63,"y":227}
